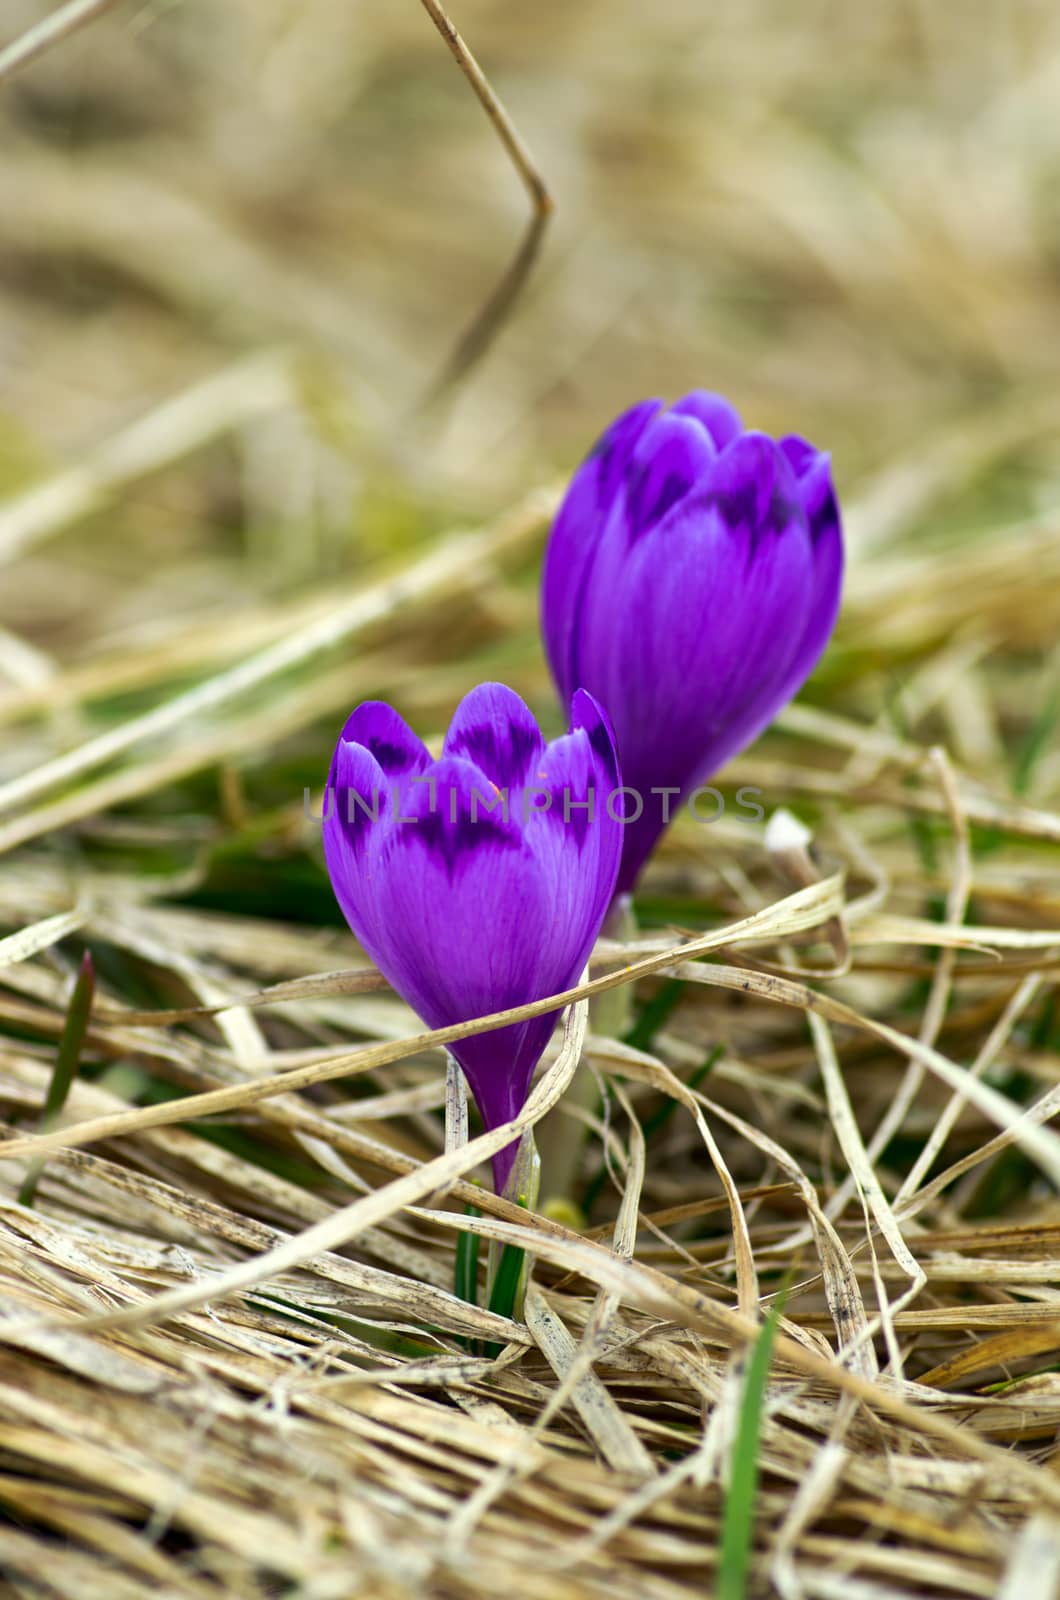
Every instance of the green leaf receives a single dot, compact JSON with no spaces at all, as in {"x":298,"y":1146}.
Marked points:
{"x":738,"y":1516}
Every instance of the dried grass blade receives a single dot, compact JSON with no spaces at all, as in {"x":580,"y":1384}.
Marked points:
{"x":40,"y":936}
{"x":801,"y":910}
{"x":607,"y":1427}
{"x":371,"y":1209}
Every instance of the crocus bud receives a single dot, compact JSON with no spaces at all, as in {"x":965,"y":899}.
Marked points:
{"x":691,"y":582}
{"x":478,"y":881}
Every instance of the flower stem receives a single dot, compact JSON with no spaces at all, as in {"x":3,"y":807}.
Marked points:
{"x":563,"y":1135}
{"x":506,"y":1268}
{"x":506,"y":1265}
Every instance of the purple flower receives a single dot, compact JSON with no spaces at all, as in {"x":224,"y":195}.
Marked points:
{"x":691,"y":583}
{"x":478,"y":881}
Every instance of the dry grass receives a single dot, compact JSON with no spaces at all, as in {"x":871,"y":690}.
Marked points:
{"x":237,"y":247}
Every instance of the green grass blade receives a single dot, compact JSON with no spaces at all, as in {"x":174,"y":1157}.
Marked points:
{"x":66,"y":1063}
{"x":661,"y":1117}
{"x":465,"y":1267}
{"x":738,"y":1517}
{"x":653,"y":1014}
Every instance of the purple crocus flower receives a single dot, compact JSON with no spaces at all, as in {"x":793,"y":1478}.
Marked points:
{"x":691,"y":583}
{"x":478,"y":881}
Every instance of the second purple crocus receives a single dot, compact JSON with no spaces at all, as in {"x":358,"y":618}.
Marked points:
{"x":478,"y":881}
{"x":691,"y":583}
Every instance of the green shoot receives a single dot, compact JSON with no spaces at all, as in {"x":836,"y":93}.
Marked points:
{"x":66,"y":1063}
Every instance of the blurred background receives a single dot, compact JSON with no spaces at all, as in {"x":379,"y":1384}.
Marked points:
{"x":239,"y":243}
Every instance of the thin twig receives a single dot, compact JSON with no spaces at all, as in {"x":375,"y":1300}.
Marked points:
{"x":476,"y":339}
{"x":60,"y":25}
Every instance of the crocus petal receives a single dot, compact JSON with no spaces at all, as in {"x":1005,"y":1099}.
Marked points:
{"x":453,"y":871}
{"x":813,"y":470}
{"x":670,"y":456}
{"x":587,"y":502}
{"x":729,"y":577}
{"x":357,"y":814}
{"x":496,"y":730}
{"x":380,"y":729}
{"x":467,"y":901}
{"x":753,"y":487}
{"x":467,"y":922}
{"x":717,"y":415}
{"x":577,"y":836}
{"x":734,"y":643}
{"x":611,"y":454}
{"x":401,"y":755}
{"x":710,"y":591}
